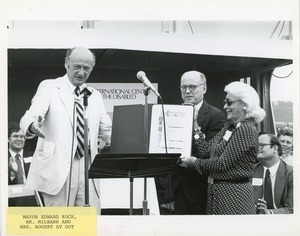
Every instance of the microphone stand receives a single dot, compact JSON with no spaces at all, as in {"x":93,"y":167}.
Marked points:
{"x":86,"y":149}
{"x":146,"y":137}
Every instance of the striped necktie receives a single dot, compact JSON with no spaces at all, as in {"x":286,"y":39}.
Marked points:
{"x":80,"y":125}
{"x":20,"y":172}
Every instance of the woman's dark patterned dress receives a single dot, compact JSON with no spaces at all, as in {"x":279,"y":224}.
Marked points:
{"x":228,"y":158}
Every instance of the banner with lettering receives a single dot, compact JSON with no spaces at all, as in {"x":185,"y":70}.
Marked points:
{"x":117,"y":94}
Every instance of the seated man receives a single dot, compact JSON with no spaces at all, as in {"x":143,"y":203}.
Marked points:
{"x":18,"y":163}
{"x":273,"y":178}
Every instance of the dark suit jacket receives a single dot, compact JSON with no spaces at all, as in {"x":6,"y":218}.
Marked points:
{"x":26,"y":166}
{"x":194,"y":185}
{"x":21,"y":201}
{"x":283,"y":187}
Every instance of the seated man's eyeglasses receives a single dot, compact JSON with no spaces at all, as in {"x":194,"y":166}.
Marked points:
{"x":183,"y":88}
{"x":262,"y":145}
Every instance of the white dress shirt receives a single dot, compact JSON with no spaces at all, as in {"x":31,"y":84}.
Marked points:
{"x":196,"y":111}
{"x":197,"y":107}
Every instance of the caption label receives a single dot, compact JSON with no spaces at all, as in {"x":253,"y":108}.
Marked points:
{"x":52,"y":220}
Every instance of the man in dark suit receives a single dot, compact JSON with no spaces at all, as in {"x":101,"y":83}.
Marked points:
{"x":278,"y":197}
{"x":190,"y":188}
{"x":18,"y":163}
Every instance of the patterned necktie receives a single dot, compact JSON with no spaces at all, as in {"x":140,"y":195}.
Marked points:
{"x":268,"y":190}
{"x":20,"y":172}
{"x":195,"y":122}
{"x":80,"y":125}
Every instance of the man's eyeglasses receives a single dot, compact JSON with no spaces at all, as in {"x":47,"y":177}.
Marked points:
{"x":190,"y":87}
{"x":262,"y":145}
{"x":229,"y":102}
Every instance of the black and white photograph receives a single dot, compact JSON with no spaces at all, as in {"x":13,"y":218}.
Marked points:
{"x":162,"y":123}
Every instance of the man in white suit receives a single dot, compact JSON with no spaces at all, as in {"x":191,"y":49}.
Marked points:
{"x":57,"y":170}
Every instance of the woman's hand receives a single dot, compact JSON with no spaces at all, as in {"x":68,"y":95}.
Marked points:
{"x":187,"y":161}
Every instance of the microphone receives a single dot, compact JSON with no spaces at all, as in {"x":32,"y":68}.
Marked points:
{"x":142,"y":77}
{"x":86,"y":91}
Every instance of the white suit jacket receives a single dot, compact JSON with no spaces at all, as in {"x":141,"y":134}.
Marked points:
{"x":53,"y":100}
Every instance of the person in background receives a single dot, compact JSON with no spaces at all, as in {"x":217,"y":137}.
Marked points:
{"x":228,"y":158}
{"x":285,"y":136}
{"x":273,"y":178}
{"x":56,"y":117}
{"x":189,"y":187}
{"x":18,"y":163}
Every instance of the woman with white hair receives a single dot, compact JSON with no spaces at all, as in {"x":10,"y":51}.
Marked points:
{"x":228,"y":158}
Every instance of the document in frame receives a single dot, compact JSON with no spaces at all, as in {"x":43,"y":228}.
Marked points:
{"x":179,"y":126}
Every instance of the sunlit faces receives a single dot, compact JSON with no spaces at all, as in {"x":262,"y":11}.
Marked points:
{"x":286,"y":144}
{"x":192,"y":88}
{"x":234,"y":109}
{"x":265,"y":150}
{"x":16,"y":141}
{"x":79,"y":65}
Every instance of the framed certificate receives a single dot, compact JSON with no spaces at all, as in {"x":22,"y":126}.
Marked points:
{"x":178,"y":131}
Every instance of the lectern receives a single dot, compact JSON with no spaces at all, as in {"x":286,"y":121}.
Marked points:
{"x":129,"y":156}
{"x":134,"y":165}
